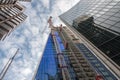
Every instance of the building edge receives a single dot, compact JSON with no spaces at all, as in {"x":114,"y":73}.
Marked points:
{"x":36,"y":69}
{"x":112,"y":66}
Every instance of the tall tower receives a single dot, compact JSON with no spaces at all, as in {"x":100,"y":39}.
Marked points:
{"x":11,"y":15}
{"x":98,"y":24}
{"x":67,"y":57}
{"x":88,"y":47}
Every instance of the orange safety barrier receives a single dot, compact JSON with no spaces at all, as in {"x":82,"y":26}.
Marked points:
{"x":66,"y":45}
{"x":53,"y":34}
{"x":99,"y":77}
{"x":63,"y":66}
{"x":60,"y":27}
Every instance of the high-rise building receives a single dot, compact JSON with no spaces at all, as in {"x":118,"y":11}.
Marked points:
{"x":88,"y":47}
{"x":66,"y":57}
{"x":48,"y":66}
{"x":11,"y":15}
{"x":98,"y":24}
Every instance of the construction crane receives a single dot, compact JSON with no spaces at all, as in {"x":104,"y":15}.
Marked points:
{"x":49,"y":21}
{"x":8,"y":64}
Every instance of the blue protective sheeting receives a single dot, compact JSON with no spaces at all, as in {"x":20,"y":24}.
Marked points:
{"x":48,"y":68}
{"x":96,"y":63}
{"x":59,"y":41}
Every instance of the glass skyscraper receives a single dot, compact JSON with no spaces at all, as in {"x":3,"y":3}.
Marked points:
{"x":67,"y":58}
{"x":98,"y":23}
{"x":48,"y":68}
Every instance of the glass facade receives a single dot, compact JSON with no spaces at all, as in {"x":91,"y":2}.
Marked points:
{"x":95,"y":62}
{"x":76,"y":62}
{"x":99,"y":22}
{"x":104,"y":39}
{"x":105,"y":13}
{"x":48,"y":67}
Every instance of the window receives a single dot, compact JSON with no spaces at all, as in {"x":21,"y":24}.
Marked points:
{"x":98,"y":15}
{"x":105,"y":16}
{"x":117,"y":6}
{"x":112,"y":3}
{"x":11,"y":24}
{"x":109,"y":13}
{"x":110,"y":22}
{"x":3,"y":14}
{"x":117,"y":14}
{"x":113,"y":10}
{"x":116,"y":28}
{"x":105,"y":25}
{"x":14,"y":21}
{"x":117,"y":24}
{"x":114,"y":18}
{"x":6,"y":27}
{"x":97,"y":22}
{"x":2,"y":17}
{"x":100,"y":19}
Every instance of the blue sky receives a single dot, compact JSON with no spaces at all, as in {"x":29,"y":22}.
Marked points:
{"x":28,"y":37}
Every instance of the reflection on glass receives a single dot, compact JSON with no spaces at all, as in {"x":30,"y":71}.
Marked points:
{"x":101,"y":37}
{"x":48,"y":67}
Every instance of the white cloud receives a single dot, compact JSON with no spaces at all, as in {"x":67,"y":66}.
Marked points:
{"x":26,"y":71}
{"x":29,"y":39}
{"x":60,"y":7}
{"x":65,"y":5}
{"x":46,"y":3}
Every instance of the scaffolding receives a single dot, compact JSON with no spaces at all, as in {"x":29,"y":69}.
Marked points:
{"x":80,"y":65}
{"x":60,"y":57}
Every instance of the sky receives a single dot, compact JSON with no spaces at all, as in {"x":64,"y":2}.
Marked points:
{"x":29,"y":37}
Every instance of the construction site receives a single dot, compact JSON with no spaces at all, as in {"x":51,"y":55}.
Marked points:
{"x":86,"y":46}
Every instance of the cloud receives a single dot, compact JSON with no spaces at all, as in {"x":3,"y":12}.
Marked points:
{"x":46,"y":3}
{"x":28,"y":37}
{"x":61,"y":6}
{"x":65,"y":5}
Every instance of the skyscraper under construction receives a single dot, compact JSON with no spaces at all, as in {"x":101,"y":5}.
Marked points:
{"x":88,"y":47}
{"x":11,"y":15}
